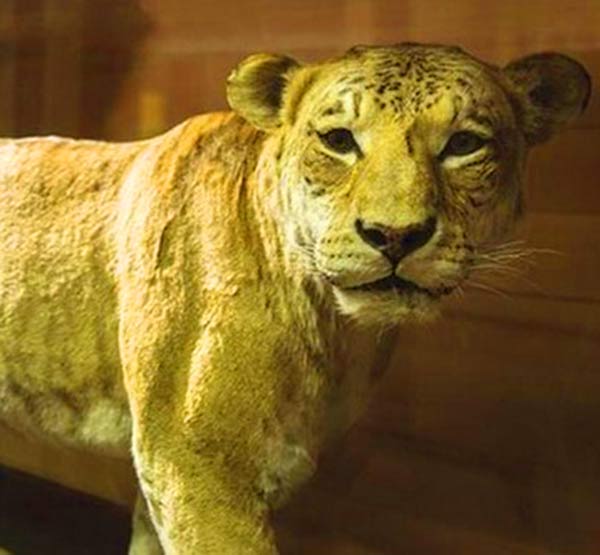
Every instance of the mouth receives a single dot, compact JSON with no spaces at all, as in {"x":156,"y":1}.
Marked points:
{"x":399,"y":286}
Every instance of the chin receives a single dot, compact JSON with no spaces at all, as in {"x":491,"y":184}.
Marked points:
{"x":387,"y":308}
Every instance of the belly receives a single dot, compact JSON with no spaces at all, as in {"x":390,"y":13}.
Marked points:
{"x":60,"y":374}
{"x":92,"y":422}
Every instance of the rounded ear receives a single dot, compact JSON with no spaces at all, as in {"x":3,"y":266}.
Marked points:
{"x":256,"y":86}
{"x":552,"y":89}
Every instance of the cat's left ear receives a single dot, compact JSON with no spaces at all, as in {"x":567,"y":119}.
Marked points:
{"x":551,"y":89}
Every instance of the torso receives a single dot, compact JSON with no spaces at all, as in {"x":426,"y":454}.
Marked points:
{"x":60,"y":362}
{"x":60,"y":374}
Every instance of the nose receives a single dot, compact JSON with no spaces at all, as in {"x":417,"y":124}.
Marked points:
{"x":396,"y":242}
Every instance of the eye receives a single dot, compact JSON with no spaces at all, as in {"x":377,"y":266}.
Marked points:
{"x":341,"y":140}
{"x":463,"y":143}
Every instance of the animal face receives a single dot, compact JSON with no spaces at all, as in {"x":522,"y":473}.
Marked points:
{"x":400,"y":167}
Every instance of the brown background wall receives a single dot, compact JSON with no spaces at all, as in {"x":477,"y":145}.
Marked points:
{"x":484,"y":437}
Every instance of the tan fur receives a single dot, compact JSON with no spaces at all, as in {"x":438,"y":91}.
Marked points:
{"x":192,"y":298}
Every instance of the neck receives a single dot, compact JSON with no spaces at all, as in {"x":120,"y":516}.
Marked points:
{"x":269,"y":205}
{"x":302,"y":297}
{"x":353,"y":356}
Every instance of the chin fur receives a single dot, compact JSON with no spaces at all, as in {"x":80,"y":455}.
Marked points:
{"x":386,"y":309}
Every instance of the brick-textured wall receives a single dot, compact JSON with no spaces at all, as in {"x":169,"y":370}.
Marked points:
{"x":483,"y":438}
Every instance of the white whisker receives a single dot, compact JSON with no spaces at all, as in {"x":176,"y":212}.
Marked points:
{"x":488,"y":289}
{"x":511,"y":260}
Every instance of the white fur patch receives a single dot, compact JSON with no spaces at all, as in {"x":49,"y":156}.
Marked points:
{"x":385,"y":309}
{"x":107,"y":426}
{"x":289,"y":466}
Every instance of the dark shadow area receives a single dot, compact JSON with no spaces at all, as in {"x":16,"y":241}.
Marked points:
{"x":40,"y":517}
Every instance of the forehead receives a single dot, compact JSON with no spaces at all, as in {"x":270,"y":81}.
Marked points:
{"x":410,"y":78}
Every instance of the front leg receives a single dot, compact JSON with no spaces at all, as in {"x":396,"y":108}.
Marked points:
{"x":144,"y":540}
{"x":225,"y":408}
{"x":200,"y":499}
{"x":203,"y":429}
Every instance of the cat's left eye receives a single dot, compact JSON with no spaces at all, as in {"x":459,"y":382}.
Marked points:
{"x":463,"y":143}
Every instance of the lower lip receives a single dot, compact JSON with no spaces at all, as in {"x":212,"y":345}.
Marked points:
{"x":393,"y":284}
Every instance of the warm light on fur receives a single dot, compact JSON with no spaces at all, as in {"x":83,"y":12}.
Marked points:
{"x":211,"y":301}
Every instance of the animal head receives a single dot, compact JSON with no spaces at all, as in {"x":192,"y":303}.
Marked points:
{"x":400,"y":167}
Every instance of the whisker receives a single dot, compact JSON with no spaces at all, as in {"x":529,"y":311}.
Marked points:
{"x":521,"y":251}
{"x":499,"y":267}
{"x":511,"y":260}
{"x":460,"y":292}
{"x":488,"y":289}
{"x":503,"y":270}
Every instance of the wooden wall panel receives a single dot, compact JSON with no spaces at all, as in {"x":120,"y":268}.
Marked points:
{"x":563,"y":174}
{"x":7,"y":67}
{"x":62,"y":62}
{"x":483,"y":436}
{"x":569,"y":268}
{"x":29,"y":48}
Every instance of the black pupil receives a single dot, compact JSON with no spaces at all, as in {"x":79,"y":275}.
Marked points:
{"x":340,"y":140}
{"x":463,"y":142}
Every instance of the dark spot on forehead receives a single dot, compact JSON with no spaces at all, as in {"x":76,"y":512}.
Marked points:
{"x":356,"y":99}
{"x":406,"y":78}
{"x":480,"y":118}
{"x":432,"y":85}
{"x":409,"y":143}
{"x":461,"y":82}
{"x":336,"y":108}
{"x":410,"y":77}
{"x":357,"y":80}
